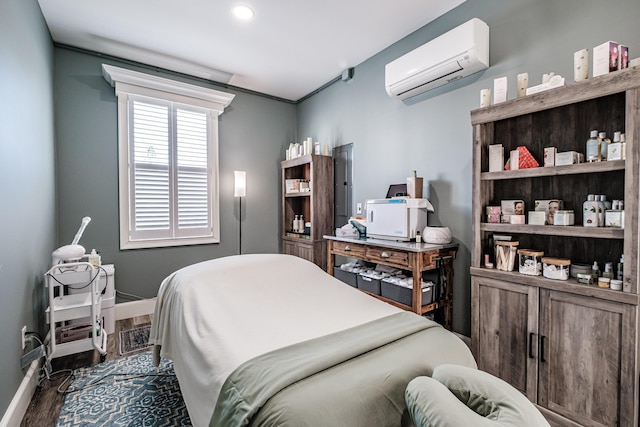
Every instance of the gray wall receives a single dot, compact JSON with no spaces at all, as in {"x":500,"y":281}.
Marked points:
{"x":253,"y":132}
{"x":27,"y":187}
{"x":431,"y":133}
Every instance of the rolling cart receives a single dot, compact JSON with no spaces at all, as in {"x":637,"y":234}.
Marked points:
{"x":74,"y":319}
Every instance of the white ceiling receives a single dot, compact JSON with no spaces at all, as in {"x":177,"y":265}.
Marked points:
{"x":289,"y":49}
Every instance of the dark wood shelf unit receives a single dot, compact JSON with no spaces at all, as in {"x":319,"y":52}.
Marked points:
{"x":315,"y":205}
{"x":571,"y":348}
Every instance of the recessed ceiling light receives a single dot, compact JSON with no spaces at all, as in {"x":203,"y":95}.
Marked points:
{"x":243,"y":12}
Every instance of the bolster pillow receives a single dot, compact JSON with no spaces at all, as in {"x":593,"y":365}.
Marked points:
{"x":461,"y":396}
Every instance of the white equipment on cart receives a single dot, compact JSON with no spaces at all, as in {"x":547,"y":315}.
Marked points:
{"x":74,"y":318}
{"x":65,"y":336}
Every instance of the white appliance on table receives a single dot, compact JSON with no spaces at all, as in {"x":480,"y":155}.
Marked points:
{"x":396,"y":218}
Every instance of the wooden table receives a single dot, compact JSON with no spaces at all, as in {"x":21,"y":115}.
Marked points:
{"x":414,"y":257}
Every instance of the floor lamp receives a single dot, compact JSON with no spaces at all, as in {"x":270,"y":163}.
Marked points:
{"x":240,"y":191}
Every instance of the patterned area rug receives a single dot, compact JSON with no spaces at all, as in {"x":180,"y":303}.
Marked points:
{"x":126,"y":392}
{"x":134,"y":339}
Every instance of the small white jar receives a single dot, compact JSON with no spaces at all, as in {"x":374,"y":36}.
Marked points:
{"x":564,"y":218}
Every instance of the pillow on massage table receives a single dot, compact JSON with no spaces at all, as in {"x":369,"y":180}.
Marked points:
{"x":460,"y":396}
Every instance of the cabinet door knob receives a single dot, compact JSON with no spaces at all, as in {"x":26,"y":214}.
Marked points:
{"x":384,"y":255}
{"x":347,"y":248}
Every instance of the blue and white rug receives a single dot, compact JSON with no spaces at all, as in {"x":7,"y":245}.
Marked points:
{"x":126,"y":392}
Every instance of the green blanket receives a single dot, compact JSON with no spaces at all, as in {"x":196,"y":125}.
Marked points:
{"x":355,"y":377}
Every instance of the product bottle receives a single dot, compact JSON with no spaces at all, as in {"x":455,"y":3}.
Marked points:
{"x":301,"y":224}
{"x":604,"y":145}
{"x":620,"y":272}
{"x":94,"y":258}
{"x":593,"y":147}
{"x":590,"y":212}
{"x":607,"y":203}
{"x":418,"y":237}
{"x":608,"y":270}
{"x":601,"y":209}
{"x":295,"y":224}
{"x":595,"y":271}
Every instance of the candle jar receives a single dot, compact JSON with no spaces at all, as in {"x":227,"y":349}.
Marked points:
{"x":530,"y":262}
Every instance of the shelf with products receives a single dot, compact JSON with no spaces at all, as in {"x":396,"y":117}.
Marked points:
{"x":556,"y":230}
{"x":307,"y":196}
{"x":521,"y":323}
{"x":581,"y":168}
{"x":569,"y":286}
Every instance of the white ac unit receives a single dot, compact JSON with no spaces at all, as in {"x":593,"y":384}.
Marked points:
{"x":451,"y":56}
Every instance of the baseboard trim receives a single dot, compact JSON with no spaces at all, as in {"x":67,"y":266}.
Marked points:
{"x":127,"y":310}
{"x":21,"y":400}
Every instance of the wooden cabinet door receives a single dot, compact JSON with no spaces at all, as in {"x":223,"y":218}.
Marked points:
{"x":305,"y":252}
{"x":505,"y":331}
{"x":587,"y":359}
{"x":289,"y":248}
{"x":299,"y":249}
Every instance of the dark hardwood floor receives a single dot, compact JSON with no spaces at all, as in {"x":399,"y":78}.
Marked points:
{"x":46,"y":402}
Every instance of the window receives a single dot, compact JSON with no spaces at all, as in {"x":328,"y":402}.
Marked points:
{"x":168,"y":160}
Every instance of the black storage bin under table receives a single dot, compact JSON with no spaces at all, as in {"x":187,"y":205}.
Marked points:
{"x":346,"y":276}
{"x":369,"y":284}
{"x":404,"y":295}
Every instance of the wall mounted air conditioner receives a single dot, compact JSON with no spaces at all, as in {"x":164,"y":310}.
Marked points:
{"x":449,"y":57}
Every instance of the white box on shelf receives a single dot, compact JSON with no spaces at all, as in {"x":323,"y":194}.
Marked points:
{"x":514,"y":160}
{"x":496,"y":158}
{"x":614,"y":151}
{"x":568,"y":158}
{"x":537,"y":217}
{"x":550,"y":156}
{"x":605,"y":58}
{"x":500,"y":90}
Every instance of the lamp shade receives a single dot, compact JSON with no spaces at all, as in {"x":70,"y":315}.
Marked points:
{"x":240,"y":184}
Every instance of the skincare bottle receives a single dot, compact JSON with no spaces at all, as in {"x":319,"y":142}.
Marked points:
{"x":601,"y":209}
{"x":418,"y":237}
{"x":94,"y":258}
{"x":593,"y":147}
{"x":295,"y":224}
{"x":620,"y":272}
{"x":607,"y":203}
{"x":608,"y":270}
{"x":604,"y":145}
{"x":595,"y":271}
{"x":301,"y":224}
{"x":590,"y":212}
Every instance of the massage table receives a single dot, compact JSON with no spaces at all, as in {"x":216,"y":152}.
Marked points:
{"x":271,"y":339}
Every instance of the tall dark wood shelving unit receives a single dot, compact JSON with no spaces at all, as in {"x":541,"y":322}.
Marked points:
{"x":316,"y":206}
{"x":570,"y":348}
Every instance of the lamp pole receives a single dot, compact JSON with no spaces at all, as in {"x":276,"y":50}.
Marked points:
{"x":240,"y":191}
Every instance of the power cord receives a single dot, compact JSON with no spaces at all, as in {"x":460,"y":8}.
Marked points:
{"x":85,"y":285}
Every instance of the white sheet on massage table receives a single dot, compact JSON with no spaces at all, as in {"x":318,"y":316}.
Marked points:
{"x":212,"y":316}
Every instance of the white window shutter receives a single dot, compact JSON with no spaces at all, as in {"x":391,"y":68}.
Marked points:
{"x":193,"y":183}
{"x":167,"y":161}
